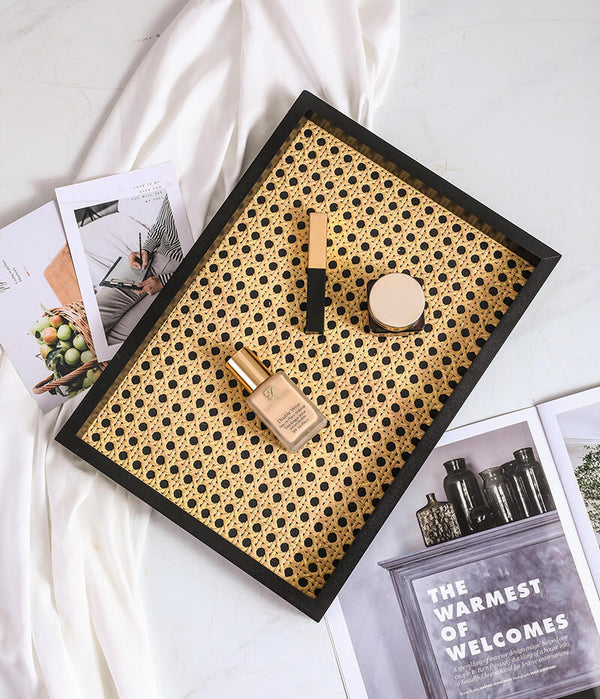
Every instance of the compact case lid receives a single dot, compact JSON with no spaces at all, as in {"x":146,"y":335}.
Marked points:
{"x":396,"y":301}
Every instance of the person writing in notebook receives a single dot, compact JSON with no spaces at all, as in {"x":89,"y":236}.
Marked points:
{"x":161,"y":246}
{"x":121,"y":308}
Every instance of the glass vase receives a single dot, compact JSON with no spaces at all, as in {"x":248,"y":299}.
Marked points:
{"x":514,"y":478}
{"x":462,"y":490}
{"x":531,"y":472}
{"x":499,"y":495}
{"x":438,"y":521}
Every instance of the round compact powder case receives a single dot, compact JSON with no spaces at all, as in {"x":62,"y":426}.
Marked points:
{"x":396,"y":304}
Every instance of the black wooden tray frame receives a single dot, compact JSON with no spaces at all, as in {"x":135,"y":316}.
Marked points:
{"x":529,"y":247}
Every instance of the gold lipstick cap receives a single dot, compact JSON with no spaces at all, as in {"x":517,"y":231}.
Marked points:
{"x":317,"y":240}
{"x":248,"y":369}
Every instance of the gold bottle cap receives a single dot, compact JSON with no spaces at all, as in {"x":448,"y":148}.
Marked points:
{"x":248,"y":369}
{"x":396,"y":301}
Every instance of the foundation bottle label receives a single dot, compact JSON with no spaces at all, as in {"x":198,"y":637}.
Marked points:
{"x":294,"y":419}
{"x":282,"y":407}
{"x":286,"y":411}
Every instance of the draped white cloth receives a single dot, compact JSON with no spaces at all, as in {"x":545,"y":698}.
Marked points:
{"x":206,"y":97}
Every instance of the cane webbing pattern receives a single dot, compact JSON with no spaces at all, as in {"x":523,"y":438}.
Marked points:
{"x":177,"y":420}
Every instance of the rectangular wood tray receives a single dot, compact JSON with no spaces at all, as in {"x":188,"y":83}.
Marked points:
{"x":168,"y":422}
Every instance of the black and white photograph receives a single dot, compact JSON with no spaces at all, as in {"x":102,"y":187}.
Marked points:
{"x":491,"y":615}
{"x":125,"y":248}
{"x":459,"y":594}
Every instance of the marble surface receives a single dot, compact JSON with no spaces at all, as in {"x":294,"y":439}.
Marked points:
{"x":499,"y":97}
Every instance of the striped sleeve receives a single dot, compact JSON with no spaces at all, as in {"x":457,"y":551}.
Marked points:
{"x":163,"y":237}
{"x":164,"y":278}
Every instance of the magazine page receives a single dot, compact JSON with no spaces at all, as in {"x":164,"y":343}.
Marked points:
{"x":45,"y":332}
{"x":489,"y":595}
{"x":127,"y":234}
{"x":572,"y":426}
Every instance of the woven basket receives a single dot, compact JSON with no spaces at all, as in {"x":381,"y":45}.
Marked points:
{"x":73,"y":313}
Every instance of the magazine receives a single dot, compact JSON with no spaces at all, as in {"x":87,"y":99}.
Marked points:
{"x":500,"y":603}
{"x":127,"y":234}
{"x":47,"y":338}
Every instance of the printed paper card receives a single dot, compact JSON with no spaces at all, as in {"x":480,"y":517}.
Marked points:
{"x":127,"y":234}
{"x":45,"y":334}
{"x":572,"y":425}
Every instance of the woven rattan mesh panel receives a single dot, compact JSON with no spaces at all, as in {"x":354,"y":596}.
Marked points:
{"x":177,"y":420}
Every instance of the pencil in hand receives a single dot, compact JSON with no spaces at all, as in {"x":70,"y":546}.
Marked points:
{"x":141,"y":259}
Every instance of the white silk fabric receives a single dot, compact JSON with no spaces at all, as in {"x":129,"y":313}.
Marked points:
{"x":206,"y":97}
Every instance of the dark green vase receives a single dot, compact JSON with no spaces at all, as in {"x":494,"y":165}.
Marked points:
{"x":462,"y":490}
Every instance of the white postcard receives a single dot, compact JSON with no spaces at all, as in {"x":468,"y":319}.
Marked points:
{"x":127,"y":234}
{"x":47,"y":336}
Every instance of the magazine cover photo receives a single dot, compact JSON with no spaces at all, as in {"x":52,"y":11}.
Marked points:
{"x":477,"y":585}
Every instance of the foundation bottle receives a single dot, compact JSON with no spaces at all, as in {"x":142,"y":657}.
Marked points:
{"x":286,"y":411}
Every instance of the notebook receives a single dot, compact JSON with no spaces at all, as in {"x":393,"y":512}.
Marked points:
{"x":121,"y":275}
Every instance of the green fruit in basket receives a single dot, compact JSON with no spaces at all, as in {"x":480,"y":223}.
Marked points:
{"x":87,"y":356}
{"x":64,"y":345}
{"x":79,"y":343}
{"x":49,"y":335}
{"x":72,"y":357}
{"x":38,"y":326}
{"x":92,"y":375}
{"x":75,"y":383}
{"x":45,"y":350}
{"x":64,"y":332}
{"x":86,"y":383}
{"x":42,"y":323}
